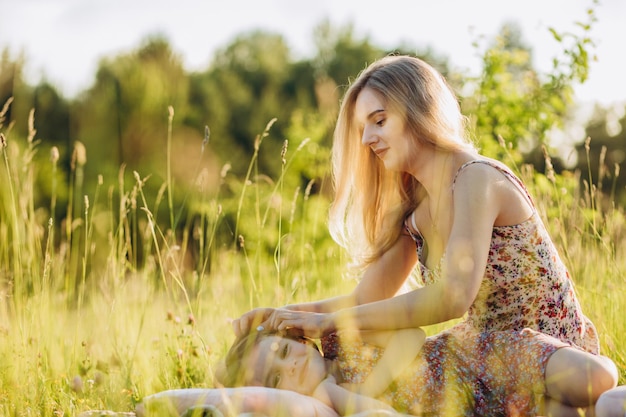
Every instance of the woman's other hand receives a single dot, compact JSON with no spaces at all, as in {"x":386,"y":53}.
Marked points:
{"x":314,"y":325}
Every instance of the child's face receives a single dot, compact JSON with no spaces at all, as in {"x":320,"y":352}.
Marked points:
{"x":279,"y":362}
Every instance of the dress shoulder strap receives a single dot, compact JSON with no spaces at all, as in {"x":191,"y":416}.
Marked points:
{"x":504,"y":171}
{"x":407,"y":228}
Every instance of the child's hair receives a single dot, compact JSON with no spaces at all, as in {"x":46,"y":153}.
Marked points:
{"x":235,"y":372}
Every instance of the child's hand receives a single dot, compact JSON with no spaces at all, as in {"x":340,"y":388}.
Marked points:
{"x":346,"y":402}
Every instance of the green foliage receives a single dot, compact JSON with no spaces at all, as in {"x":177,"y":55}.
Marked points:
{"x":602,"y":154}
{"x":514,"y":102}
{"x":165,"y":326}
{"x":128,"y":103}
{"x":340,"y":56}
{"x":244,"y":88}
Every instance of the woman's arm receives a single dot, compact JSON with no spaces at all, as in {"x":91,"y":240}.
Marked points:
{"x":382,"y":279}
{"x":421,"y":307}
{"x":481,"y":196}
{"x":478,"y":201}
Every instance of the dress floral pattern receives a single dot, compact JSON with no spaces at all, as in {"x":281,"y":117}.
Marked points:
{"x":526,"y":284}
{"x":493,"y":362}
{"x":446,"y":379}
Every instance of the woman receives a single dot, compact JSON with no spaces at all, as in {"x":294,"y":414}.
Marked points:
{"x":412,"y":191}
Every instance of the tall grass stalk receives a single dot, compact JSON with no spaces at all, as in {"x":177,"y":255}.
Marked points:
{"x":209,"y":224}
{"x":75,"y":193}
{"x":253,"y":165}
{"x":136,"y":318}
{"x":239,"y":239}
{"x":277,"y":252}
{"x":170,"y":191}
{"x":13,"y":218}
{"x":167,"y":266}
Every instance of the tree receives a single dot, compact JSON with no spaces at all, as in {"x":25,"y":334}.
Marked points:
{"x":340,"y":55}
{"x":124,"y":115}
{"x":13,"y":86}
{"x":250,"y":82}
{"x":514,"y":103}
{"x":602,"y":155}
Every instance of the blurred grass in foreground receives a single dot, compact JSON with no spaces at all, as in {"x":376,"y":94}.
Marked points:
{"x":110,"y":305}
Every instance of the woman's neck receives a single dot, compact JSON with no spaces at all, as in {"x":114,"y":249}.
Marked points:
{"x":437,"y":169}
{"x":434,"y":170}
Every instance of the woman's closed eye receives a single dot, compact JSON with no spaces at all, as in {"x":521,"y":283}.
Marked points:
{"x":381,"y":121}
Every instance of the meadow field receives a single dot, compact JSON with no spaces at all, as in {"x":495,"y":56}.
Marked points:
{"x":120,"y":296}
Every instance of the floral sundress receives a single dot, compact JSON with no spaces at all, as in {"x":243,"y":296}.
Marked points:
{"x":526,"y":284}
{"x":446,"y":379}
{"x":493,"y":362}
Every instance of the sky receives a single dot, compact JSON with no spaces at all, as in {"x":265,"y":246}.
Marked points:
{"x":63,"y":40}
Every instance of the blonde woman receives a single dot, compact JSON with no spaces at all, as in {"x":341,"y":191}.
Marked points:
{"x":412,"y":192}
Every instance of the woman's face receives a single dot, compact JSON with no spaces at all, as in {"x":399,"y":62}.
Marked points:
{"x":383,"y":130}
{"x":279,"y":362}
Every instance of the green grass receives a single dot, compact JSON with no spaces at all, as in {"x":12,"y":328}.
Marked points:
{"x":110,"y":305}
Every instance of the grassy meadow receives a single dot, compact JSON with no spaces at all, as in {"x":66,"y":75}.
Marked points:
{"x":120,"y":298}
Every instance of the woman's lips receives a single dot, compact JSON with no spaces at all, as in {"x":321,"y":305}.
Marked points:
{"x":380,"y":152}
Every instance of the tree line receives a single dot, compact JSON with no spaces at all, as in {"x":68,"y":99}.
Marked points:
{"x":123,"y":118}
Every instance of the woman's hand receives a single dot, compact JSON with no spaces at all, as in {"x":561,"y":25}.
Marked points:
{"x":309,"y":324}
{"x":252,"y":318}
{"x":314,"y":325}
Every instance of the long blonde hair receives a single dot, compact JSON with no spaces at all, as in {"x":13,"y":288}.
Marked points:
{"x":371,"y":202}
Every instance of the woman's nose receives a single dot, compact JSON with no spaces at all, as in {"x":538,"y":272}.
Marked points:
{"x":368,"y":138}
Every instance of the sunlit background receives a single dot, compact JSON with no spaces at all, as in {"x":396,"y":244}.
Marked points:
{"x":63,"y":39}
